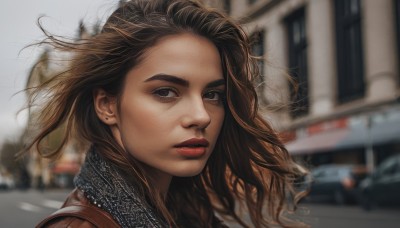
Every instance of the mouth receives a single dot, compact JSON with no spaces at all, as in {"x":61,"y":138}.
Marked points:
{"x":192,"y":148}
{"x":193,"y":143}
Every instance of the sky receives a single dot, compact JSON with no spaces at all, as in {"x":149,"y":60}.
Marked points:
{"x":18,"y":23}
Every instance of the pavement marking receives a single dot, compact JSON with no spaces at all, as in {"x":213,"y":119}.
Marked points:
{"x":29,"y":207}
{"x":52,"y":204}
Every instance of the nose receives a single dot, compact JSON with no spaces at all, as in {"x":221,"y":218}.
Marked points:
{"x":196,"y":115}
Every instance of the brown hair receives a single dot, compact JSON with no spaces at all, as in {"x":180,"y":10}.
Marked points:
{"x":249,"y":163}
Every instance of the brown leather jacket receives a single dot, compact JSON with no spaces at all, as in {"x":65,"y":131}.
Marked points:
{"x":84,"y":214}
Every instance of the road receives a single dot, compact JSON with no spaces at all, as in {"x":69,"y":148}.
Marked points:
{"x":332,"y":216}
{"x":24,"y":209}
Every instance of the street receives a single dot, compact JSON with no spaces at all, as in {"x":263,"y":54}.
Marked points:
{"x":24,"y":209}
{"x":332,"y":216}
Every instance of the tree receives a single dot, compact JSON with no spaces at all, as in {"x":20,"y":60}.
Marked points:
{"x":13,"y":164}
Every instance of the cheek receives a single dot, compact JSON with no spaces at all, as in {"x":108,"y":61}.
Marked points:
{"x":140,"y":118}
{"x":218,"y":119}
{"x":139,"y":127}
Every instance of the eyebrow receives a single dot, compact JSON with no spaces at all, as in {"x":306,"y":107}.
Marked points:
{"x":182,"y":82}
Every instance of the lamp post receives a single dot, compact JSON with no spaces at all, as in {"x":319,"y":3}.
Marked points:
{"x":369,"y":146}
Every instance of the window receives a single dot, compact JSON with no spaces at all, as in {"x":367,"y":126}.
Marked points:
{"x":297,"y":44}
{"x":388,"y":168}
{"x":351,"y":83}
{"x":252,"y":1}
{"x":397,"y":13}
{"x":227,"y":6}
{"x":257,"y":49}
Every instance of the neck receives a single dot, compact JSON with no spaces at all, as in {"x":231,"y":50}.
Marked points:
{"x":159,"y":180}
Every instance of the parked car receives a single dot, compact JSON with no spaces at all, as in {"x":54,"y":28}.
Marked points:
{"x":6,"y":182}
{"x":337,"y":182}
{"x":383,"y":185}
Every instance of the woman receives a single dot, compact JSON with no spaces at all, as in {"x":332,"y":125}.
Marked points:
{"x":164,"y":96}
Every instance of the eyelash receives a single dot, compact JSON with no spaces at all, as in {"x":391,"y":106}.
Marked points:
{"x":159,"y":93}
{"x":216,"y":92}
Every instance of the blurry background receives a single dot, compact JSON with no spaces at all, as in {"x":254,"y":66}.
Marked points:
{"x":338,"y":112}
{"x":22,"y":68}
{"x":344,"y":58}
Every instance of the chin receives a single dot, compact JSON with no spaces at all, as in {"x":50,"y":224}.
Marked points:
{"x":188,"y":171}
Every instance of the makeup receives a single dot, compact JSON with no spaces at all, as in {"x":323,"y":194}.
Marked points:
{"x":171,"y":112}
{"x":192,"y":148}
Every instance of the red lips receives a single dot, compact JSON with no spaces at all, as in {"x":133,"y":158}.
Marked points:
{"x":192,"y":148}
{"x":194,"y":142}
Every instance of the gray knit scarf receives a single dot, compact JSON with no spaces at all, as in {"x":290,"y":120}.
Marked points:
{"x":105,"y":187}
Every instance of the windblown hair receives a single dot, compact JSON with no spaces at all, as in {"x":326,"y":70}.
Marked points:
{"x":249,"y":166}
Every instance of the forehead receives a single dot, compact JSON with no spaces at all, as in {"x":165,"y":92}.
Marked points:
{"x":183,"y":55}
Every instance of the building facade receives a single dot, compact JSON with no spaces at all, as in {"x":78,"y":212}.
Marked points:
{"x":44,"y":172}
{"x":341,"y":102}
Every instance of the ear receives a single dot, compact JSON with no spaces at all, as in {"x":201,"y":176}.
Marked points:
{"x":105,"y":106}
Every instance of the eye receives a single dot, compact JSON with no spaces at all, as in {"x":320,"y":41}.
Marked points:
{"x":165,"y":93}
{"x":213,"y":95}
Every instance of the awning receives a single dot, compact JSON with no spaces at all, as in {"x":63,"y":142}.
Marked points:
{"x":66,"y":167}
{"x":384,"y":128}
{"x":380,"y":132}
{"x":317,"y":142}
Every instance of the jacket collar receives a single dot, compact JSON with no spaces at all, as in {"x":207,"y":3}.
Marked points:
{"x":105,"y":187}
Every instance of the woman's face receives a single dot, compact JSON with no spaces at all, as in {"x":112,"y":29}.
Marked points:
{"x":171,"y":109}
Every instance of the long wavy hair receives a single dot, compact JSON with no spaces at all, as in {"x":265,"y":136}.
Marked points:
{"x":249,"y":167}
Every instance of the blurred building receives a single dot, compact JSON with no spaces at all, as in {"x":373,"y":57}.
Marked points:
{"x":43,"y":172}
{"x":344,"y":57}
